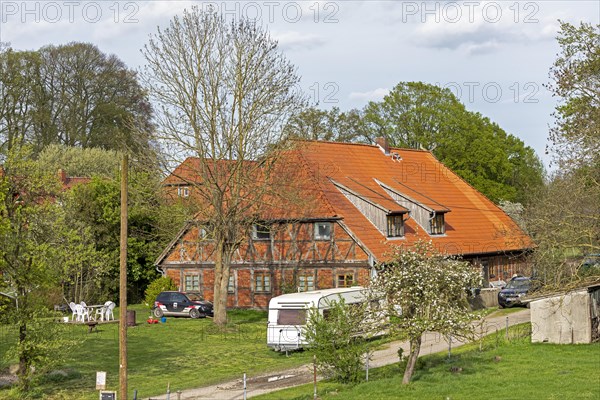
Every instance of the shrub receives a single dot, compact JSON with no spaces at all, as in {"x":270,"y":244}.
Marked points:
{"x":157,"y":286}
{"x":337,"y":340}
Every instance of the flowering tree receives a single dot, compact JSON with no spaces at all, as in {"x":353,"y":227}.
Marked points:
{"x":426,"y":291}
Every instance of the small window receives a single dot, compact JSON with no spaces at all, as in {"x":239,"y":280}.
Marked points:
{"x":322,"y":230}
{"x":262,"y":282}
{"x":306,"y":283}
{"x":291,"y":317}
{"x":261,"y":232}
{"x":345,"y":280}
{"x":437,"y":225}
{"x":231,"y":284}
{"x":192,"y":283}
{"x":183,"y":191}
{"x":395,"y":226}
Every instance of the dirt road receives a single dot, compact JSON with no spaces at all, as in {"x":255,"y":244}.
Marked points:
{"x":256,"y":385}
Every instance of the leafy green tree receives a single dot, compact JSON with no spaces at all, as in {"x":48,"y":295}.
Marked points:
{"x":20,"y":84}
{"x":333,"y":125}
{"x":564,"y":217}
{"x":77,"y":161}
{"x":419,"y":115}
{"x":93,"y":210}
{"x":425,"y":291}
{"x":73,"y":95}
{"x":338,"y":338}
{"x":576,"y":133}
{"x":29,"y":233}
{"x":415,"y":114}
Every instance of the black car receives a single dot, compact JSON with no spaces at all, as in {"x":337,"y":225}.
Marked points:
{"x":181,"y":304}
{"x":514,"y":291}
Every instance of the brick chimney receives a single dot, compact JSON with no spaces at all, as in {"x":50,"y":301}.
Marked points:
{"x":383,"y":144}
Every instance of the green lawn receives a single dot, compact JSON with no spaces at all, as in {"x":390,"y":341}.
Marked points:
{"x":184,"y":353}
{"x":521,"y":371}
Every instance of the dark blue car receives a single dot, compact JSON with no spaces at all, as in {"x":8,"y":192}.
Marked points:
{"x":514,"y":291}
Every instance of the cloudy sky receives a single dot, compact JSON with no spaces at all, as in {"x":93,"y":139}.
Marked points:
{"x":494,"y":55}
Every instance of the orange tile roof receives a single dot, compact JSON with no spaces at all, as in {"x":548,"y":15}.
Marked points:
{"x":474,"y":224}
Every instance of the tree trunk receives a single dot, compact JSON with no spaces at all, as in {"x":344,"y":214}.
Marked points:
{"x":222,"y":263}
{"x":415,"y":348}
{"x":23,"y":372}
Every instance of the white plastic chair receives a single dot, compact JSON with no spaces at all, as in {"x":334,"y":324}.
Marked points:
{"x":82,"y":313}
{"x":73,"y":310}
{"x":102,"y":312}
{"x":109,"y":310}
{"x":86,"y":311}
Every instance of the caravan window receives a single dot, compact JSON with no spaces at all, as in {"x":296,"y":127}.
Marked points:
{"x":291,"y":317}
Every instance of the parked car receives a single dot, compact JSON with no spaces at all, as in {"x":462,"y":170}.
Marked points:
{"x":590,"y":265}
{"x":181,"y":304}
{"x":514,"y":291}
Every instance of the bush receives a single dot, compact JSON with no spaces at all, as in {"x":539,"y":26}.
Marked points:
{"x":157,"y":286}
{"x":337,"y":340}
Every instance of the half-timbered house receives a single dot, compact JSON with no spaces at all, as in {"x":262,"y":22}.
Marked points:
{"x":364,"y":199}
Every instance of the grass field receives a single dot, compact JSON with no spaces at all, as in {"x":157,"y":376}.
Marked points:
{"x":505,"y":369}
{"x":182,"y":352}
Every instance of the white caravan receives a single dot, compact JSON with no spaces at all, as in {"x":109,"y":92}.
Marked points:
{"x":288,"y":313}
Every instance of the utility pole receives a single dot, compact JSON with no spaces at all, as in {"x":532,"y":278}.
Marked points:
{"x":123,"y":285}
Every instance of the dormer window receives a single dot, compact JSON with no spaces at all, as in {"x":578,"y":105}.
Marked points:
{"x":183,"y":191}
{"x":322,"y":230}
{"x":437,"y":226}
{"x":261,"y":232}
{"x":395,"y":225}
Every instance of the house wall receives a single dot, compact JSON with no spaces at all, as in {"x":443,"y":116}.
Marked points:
{"x":283,"y":280}
{"x":291,"y":252}
{"x":501,"y":267}
{"x":562,"y":319}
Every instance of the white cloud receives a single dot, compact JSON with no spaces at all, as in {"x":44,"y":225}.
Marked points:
{"x":372,"y":95}
{"x":294,"y":40}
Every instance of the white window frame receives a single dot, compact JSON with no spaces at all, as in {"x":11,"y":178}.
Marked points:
{"x":183,"y":191}
{"x":195,"y":278}
{"x":326,"y":236}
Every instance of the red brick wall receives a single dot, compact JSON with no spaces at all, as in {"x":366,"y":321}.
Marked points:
{"x":281,"y":280}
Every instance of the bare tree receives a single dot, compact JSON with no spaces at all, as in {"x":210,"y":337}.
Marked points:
{"x":224,"y":92}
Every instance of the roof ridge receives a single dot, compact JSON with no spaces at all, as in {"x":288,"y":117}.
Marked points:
{"x":334,"y":142}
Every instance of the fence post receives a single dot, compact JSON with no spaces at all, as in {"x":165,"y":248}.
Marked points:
{"x":315,"y":376}
{"x":367,"y":377}
{"x":179,"y":392}
{"x":245,"y":386}
{"x":168,"y":390}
